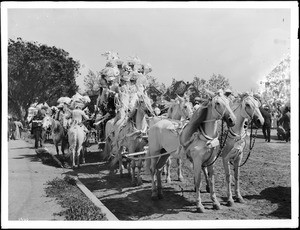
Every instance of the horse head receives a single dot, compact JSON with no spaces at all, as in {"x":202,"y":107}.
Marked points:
{"x":221,"y":108}
{"x":250,"y":109}
{"x":144,"y":103}
{"x":180,"y":108}
{"x":47,"y":122}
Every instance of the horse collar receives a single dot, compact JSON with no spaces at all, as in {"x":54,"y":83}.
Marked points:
{"x":236,"y":136}
{"x":201,"y":131}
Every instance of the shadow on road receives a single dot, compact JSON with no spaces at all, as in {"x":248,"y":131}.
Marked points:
{"x":32,"y":158}
{"x":125,"y":208}
{"x":278,"y":195}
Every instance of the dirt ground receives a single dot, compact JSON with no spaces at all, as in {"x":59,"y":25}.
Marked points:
{"x":265,"y":186}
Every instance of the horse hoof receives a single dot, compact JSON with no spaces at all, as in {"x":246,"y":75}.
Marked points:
{"x":216,"y":206}
{"x":230,"y":203}
{"x":240,"y":200}
{"x":200,"y":209}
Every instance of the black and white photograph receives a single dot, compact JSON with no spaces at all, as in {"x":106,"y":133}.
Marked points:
{"x":150,"y":114}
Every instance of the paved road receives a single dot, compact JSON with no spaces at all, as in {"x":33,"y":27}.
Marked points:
{"x":27,"y":178}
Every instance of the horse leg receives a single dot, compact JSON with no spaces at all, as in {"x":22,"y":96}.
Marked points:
{"x":63,"y":145}
{"x":56,"y":147}
{"x":153,"y":170}
{"x":139,"y":178}
{"x":133,"y":165}
{"x":204,"y":169}
{"x":211,"y":176}
{"x":72,"y":150}
{"x":119,"y":155}
{"x":159,"y":184}
{"x":168,"y":170}
{"x":238,"y":195}
{"x":230,"y":201}
{"x":78,"y":154}
{"x":197,"y":173}
{"x":180,"y":176}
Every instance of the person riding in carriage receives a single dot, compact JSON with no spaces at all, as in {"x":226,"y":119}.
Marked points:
{"x":78,"y":116}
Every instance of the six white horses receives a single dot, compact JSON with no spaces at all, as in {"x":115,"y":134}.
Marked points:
{"x":197,"y":140}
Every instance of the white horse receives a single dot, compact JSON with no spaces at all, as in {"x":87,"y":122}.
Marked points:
{"x":77,"y":138}
{"x":57,"y":132}
{"x":246,"y":110}
{"x":197,"y":139}
{"x":130,"y":136}
{"x":181,"y":110}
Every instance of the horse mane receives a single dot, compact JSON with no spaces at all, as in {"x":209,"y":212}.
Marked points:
{"x":199,"y":115}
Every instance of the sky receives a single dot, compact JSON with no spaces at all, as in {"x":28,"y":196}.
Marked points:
{"x":242,"y":44}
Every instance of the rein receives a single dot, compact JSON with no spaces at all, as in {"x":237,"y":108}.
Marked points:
{"x":222,"y":144}
{"x":252,"y":139}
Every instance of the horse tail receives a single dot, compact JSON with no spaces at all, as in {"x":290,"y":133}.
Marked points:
{"x":73,"y":142}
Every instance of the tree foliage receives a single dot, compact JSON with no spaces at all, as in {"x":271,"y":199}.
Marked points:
{"x":217,"y":82}
{"x":214,"y":83}
{"x":38,"y":71}
{"x":92,"y":82}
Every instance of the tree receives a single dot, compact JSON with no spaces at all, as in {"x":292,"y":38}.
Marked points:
{"x":92,"y":82}
{"x":38,"y":71}
{"x":217,"y":82}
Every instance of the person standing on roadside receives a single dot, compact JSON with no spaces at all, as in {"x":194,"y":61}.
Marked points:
{"x":11,"y":129}
{"x":19,"y":127}
{"x":266,"y":128}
